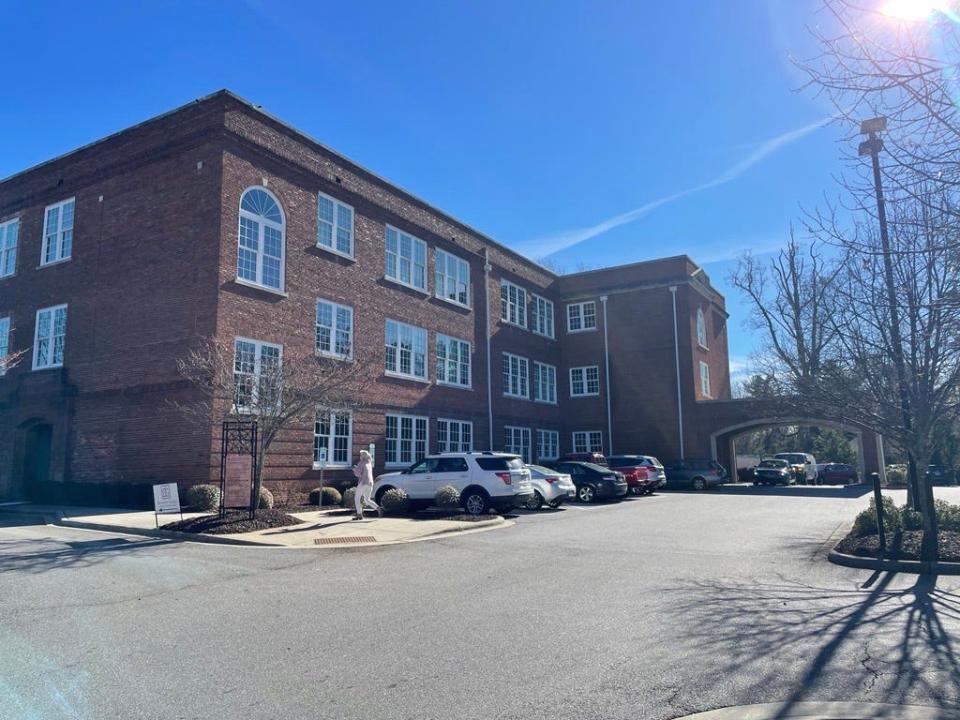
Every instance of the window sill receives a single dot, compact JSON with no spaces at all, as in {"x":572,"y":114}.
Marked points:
{"x":258,"y":286}
{"x":545,"y":402}
{"x":402,"y":284}
{"x":513,"y":324}
{"x":333,"y":251}
{"x":702,"y":346}
{"x":582,"y":330}
{"x":517,"y":397}
{"x":331,"y":466}
{"x":455,"y":386}
{"x":333,"y":356}
{"x":584,"y":395}
{"x":412,"y":378}
{"x":544,"y":335}
{"x":61,"y":261}
{"x":46,"y":367}
{"x":11,"y":275}
{"x":454,"y":303}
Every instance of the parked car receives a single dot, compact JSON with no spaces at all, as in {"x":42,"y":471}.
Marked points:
{"x":773,"y":472}
{"x":594,"y":482}
{"x":804,"y":465}
{"x":484,"y":479}
{"x":549,"y":486}
{"x":695,"y":474}
{"x":837,"y":474}
{"x":941,"y":475}
{"x":643,"y":473}
{"x":590,"y":457}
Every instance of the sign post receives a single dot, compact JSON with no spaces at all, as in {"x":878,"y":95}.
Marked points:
{"x":322,"y":462}
{"x":166,"y":499}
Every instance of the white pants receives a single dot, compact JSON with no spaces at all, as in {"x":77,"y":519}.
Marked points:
{"x":362,"y":498}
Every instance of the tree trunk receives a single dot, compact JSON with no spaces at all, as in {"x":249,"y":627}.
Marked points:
{"x":929,"y":548}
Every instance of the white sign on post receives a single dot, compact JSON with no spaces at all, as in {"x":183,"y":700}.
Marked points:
{"x":166,"y":499}
{"x":372,"y":449}
{"x":322,"y":457}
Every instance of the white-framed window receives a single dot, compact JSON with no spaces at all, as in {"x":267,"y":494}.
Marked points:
{"x":334,"y":329}
{"x":406,"y":348}
{"x":452,"y":280}
{"x":516,"y":376}
{"x":588,"y":441}
{"x":333,"y":432}
{"x":57,"y":232}
{"x":260,"y":241}
{"x":517,"y":440}
{"x":705,"y":379}
{"x":581,"y":316}
{"x":256,"y":374}
{"x":584,"y":381}
{"x":544,"y":382}
{"x":453,"y":361}
{"x":701,"y":329}
{"x":513,"y":304}
{"x":405,"y":439}
{"x":334,"y":225}
{"x":548,"y":445}
{"x":9,"y":232}
{"x":454,"y":435}
{"x":541,"y":316}
{"x":406,"y":259}
{"x":4,"y":344}
{"x":49,"y":338}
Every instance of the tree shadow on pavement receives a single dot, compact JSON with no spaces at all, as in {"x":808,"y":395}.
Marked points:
{"x":876,"y":643}
{"x":41,"y":555}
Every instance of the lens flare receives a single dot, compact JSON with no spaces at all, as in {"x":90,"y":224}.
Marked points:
{"x":912,"y":9}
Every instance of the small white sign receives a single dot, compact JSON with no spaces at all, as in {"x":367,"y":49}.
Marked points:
{"x":372,"y":449}
{"x":166,"y":499}
{"x":322,"y":457}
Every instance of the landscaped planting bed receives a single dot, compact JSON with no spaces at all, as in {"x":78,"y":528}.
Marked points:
{"x":234,"y":521}
{"x":905,"y":546}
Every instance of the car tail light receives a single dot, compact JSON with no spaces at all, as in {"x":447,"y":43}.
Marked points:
{"x":552,"y":480}
{"x":642,"y":473}
{"x":506,"y":477}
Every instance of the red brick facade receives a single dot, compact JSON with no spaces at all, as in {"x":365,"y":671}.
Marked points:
{"x":154,"y":269}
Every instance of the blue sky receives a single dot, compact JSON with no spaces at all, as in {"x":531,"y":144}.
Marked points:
{"x":641,"y":129}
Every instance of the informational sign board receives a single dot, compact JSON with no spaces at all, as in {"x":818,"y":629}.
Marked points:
{"x":372,"y":449}
{"x":238,"y":474}
{"x":166,"y":499}
{"x":321,"y":458}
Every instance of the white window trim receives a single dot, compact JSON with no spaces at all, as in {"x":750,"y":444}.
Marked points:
{"x":521,"y":310}
{"x":246,"y":410}
{"x":583,"y":371}
{"x":43,"y":238}
{"x":447,"y":383}
{"x":523,"y":431}
{"x":332,"y":437}
{"x":556,"y":435}
{"x":426,"y":262}
{"x":263,"y":222}
{"x":581,"y":305}
{"x":436,"y":287}
{"x":705,"y":388}
{"x":36,"y":340}
{"x":506,"y":388}
{"x":6,"y":323}
{"x":536,"y":314}
{"x":701,"y":329}
{"x":333,"y":331}
{"x":587,"y":433}
{"x":15,"y":250}
{"x":425,"y":378}
{"x":399,"y":416}
{"x":458,"y":422}
{"x":536,"y":384}
{"x":336,"y":226}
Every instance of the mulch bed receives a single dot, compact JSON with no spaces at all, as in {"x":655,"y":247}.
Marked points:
{"x":905,"y":546}
{"x":234,"y":521}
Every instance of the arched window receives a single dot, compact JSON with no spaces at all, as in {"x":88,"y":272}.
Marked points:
{"x":701,"y":329}
{"x":261,"y":240}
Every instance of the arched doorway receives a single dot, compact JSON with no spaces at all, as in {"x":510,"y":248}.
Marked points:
{"x":37,"y":452}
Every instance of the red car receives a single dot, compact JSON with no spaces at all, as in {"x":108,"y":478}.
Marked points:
{"x":644,"y":473}
{"x":837,"y":474}
{"x":590,"y":457}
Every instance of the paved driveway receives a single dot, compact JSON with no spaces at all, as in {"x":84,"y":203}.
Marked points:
{"x":651,"y":608}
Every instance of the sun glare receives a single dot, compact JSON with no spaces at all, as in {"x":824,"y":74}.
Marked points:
{"x":912,"y":9}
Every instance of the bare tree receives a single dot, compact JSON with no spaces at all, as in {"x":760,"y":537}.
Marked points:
{"x":280,"y":392}
{"x":12,"y":358}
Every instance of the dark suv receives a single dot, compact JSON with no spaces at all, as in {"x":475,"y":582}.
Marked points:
{"x":697,"y":474}
{"x":594,"y":482}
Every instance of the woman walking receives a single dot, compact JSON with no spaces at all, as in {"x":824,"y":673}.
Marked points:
{"x":364,"y":473}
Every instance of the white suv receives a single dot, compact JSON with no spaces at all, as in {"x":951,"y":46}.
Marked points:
{"x":484,"y":479}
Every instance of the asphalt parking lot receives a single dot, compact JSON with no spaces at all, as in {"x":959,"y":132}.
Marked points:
{"x":654,"y":607}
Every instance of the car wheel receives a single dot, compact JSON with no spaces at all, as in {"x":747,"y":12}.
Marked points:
{"x":699,"y":484}
{"x":555,"y":504}
{"x":586,"y":494}
{"x":536,"y":502}
{"x":636,"y":490}
{"x":475,"y":503}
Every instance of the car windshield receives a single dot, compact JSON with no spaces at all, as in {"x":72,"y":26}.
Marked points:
{"x":773,"y":464}
{"x":596,"y":468}
{"x":793,"y":458}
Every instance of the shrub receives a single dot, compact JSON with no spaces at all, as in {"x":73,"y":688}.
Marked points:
{"x":896,"y":474}
{"x":866,"y":522}
{"x":447,"y":497}
{"x":348,"y":497}
{"x":948,"y":516}
{"x":331,"y":496}
{"x":266,"y":499}
{"x":910,"y":519}
{"x":203,"y":497}
{"x":395,"y":501}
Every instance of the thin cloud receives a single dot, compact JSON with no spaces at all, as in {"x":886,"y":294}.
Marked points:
{"x":547,"y":245}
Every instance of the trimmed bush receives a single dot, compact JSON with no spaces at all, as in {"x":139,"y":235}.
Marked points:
{"x":447,"y":497}
{"x":948,"y":516}
{"x":866,"y":522}
{"x":910,"y":519}
{"x":203,"y":497}
{"x":395,"y":501}
{"x":348,"y":497}
{"x":896,"y":474}
{"x":331,"y":496}
{"x":266,"y":499}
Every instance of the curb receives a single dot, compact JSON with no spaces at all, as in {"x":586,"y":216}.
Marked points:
{"x":827,"y":711}
{"x":907,"y":566}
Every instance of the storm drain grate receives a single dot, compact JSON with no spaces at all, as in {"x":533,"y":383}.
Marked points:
{"x":344,"y":540}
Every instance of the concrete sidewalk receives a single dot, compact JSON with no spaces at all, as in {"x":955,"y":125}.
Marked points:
{"x":318,"y":529}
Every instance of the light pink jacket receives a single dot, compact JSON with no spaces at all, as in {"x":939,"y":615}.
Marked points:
{"x":363,"y":472}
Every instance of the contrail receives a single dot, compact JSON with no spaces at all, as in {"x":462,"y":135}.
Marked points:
{"x":549,"y":244}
